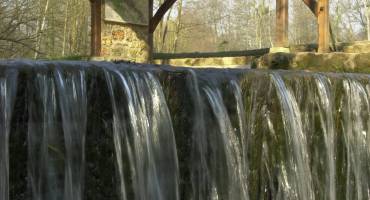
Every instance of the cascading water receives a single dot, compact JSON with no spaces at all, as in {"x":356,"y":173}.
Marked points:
{"x":356,"y":111}
{"x":71,"y":88}
{"x":227,"y":166}
{"x":56,"y":134}
{"x":44,"y":135}
{"x":298,"y":182}
{"x":143,"y":136}
{"x":325,"y":105}
{"x":8,"y":86}
{"x":182,"y":133}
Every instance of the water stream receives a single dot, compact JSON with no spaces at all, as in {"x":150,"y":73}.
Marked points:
{"x":143,"y":136}
{"x":56,"y":134}
{"x":182,"y":133}
{"x":8,"y":86}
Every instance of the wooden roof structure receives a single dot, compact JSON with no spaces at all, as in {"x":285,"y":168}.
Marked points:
{"x":319,"y":8}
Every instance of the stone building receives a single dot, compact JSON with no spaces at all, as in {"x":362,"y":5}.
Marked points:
{"x":120,"y":29}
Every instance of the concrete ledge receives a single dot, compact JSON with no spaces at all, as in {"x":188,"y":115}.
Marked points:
{"x":279,"y":50}
{"x":222,"y":62}
{"x":328,"y":62}
{"x":255,"y":52}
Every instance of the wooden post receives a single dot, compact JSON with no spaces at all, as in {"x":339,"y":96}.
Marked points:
{"x":96,"y":7}
{"x":151,"y":33}
{"x":324,"y":27}
{"x":368,"y":20}
{"x":282,"y":22}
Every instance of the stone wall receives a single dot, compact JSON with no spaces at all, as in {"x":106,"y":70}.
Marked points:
{"x":125,"y":42}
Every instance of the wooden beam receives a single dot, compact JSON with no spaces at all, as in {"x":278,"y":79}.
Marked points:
{"x":368,"y":22}
{"x":282,"y":23}
{"x":96,"y":6}
{"x":313,"y":6}
{"x":324,"y":26}
{"x":150,"y":33}
{"x":160,"y":14}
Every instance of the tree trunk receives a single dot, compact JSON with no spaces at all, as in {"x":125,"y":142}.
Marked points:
{"x":165,"y":31}
{"x":178,"y":27}
{"x":159,"y":32}
{"x":65,"y":28}
{"x":41,"y":28}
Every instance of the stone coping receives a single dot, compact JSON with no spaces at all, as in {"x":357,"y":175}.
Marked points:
{"x":327,"y":62}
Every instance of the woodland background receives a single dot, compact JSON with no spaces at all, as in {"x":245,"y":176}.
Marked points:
{"x":59,"y":29}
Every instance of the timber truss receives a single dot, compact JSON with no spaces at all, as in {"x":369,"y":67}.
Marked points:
{"x":319,"y":8}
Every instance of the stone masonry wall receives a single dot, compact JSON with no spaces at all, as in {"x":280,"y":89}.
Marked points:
{"x":125,"y":42}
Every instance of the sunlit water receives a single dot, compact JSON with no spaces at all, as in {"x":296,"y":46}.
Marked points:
{"x":185,"y":133}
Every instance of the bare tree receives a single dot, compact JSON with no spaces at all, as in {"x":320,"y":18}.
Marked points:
{"x":178,"y":26}
{"x":41,"y":24}
{"x":17,"y":28}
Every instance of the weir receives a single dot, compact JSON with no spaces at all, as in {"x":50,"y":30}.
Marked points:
{"x":122,"y":131}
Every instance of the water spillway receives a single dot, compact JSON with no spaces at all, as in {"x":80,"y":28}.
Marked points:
{"x":99,"y":130}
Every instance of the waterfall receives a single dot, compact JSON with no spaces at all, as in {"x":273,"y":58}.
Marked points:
{"x":71,"y":88}
{"x":143,"y":136}
{"x":356,"y":123}
{"x":325,"y":104}
{"x":227,"y":166}
{"x":125,"y":131}
{"x":8,"y":86}
{"x":299,"y":183}
{"x":56,"y":134}
{"x":200,"y":172}
{"x":44,"y":135}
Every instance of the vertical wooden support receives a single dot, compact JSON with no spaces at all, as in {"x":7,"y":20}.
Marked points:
{"x":96,"y":10}
{"x":368,"y":20}
{"x":324,"y":27}
{"x":150,"y":35}
{"x":282,"y":23}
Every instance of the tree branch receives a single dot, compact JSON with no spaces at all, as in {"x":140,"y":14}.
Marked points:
{"x":20,"y":42}
{"x":154,"y":21}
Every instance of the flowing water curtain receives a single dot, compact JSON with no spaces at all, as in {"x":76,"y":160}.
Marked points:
{"x":260,"y":136}
{"x":45,"y":146}
{"x":356,"y":123}
{"x":315,"y":96}
{"x":72,"y":96}
{"x":295,"y":176}
{"x":218,"y":157}
{"x":242,"y":140}
{"x":144,"y":139}
{"x":56,"y":133}
{"x":8,"y":87}
{"x":325,"y":101}
{"x":200,"y":171}
{"x":226,"y":160}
